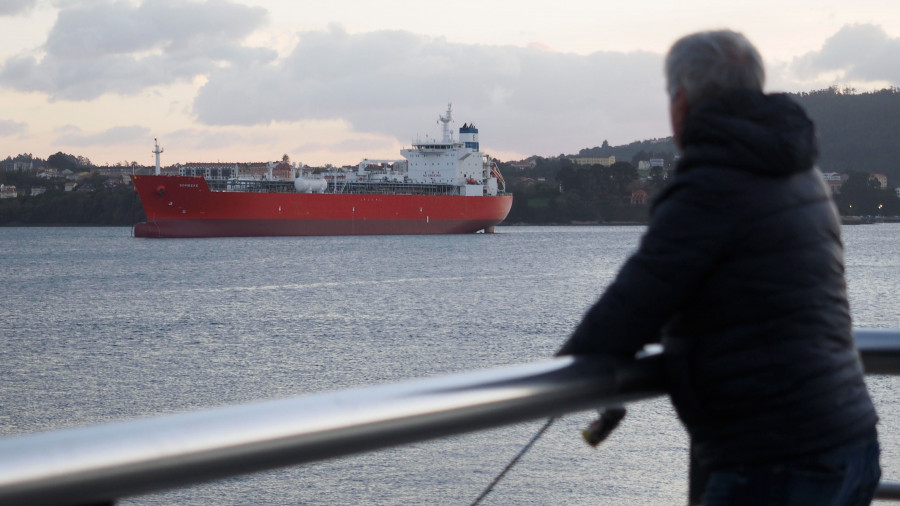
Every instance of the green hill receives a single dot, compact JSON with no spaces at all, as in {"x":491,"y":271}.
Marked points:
{"x":857,"y":131}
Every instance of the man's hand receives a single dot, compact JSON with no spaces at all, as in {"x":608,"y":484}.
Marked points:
{"x":603,"y":426}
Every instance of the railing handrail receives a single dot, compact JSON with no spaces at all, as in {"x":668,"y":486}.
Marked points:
{"x":106,"y":462}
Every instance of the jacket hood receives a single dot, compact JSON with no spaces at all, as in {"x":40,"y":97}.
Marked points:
{"x":748,"y":130}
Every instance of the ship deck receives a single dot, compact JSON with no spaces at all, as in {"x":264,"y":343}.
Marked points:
{"x":338,"y":187}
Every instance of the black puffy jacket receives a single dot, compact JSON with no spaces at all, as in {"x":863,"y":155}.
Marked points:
{"x":740,"y":274}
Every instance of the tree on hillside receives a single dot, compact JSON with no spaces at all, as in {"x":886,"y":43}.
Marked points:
{"x":62,"y":161}
{"x":622,"y":174}
{"x":657,"y":177}
{"x":861,"y":195}
{"x":857,"y":131}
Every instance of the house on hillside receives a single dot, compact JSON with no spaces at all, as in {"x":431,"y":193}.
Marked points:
{"x":7,"y":191}
{"x":228,"y":170}
{"x":23,"y":165}
{"x":639,"y":197}
{"x":209,"y":170}
{"x":649,"y":164}
{"x":606,"y":162}
{"x":524,"y":164}
{"x":282,"y":170}
{"x":834,"y":181}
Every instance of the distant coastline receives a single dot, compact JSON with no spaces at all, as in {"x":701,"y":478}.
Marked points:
{"x":868,"y":220}
{"x":577,"y":224}
{"x":845,"y":220}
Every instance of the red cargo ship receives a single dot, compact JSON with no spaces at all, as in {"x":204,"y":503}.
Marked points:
{"x":440,"y":187}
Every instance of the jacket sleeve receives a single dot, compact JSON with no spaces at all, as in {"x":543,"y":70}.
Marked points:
{"x":687,"y":233}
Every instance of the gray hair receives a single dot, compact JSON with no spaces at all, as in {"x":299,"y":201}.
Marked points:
{"x":707,"y":64}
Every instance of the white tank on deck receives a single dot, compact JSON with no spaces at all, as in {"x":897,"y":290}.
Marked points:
{"x":304,"y":185}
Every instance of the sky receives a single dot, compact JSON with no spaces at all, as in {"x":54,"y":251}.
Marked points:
{"x":337,"y":81}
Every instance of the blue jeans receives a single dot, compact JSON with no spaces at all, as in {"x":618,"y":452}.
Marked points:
{"x":845,"y":476}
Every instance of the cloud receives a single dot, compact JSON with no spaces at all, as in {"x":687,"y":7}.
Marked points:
{"x":856,"y":52}
{"x":118,"y":47}
{"x":396,"y":83}
{"x":8,"y":128}
{"x":14,"y":7}
{"x":207,"y":138}
{"x":72,"y":136}
{"x":364,"y":144}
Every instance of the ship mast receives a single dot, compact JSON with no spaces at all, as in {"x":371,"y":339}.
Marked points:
{"x":448,"y":136}
{"x":157,"y":151}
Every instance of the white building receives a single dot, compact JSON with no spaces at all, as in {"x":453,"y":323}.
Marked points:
{"x":7,"y":191}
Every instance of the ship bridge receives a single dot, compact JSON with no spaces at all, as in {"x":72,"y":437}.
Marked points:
{"x":435,"y":146}
{"x":451,"y":162}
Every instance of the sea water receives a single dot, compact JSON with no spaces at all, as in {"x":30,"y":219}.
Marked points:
{"x":97,"y":326}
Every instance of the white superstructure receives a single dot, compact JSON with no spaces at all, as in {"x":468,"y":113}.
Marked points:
{"x":446,"y":162}
{"x":452,"y":162}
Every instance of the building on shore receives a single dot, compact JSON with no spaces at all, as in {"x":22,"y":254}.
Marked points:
{"x":8,"y":191}
{"x":834,"y":181}
{"x":606,"y":162}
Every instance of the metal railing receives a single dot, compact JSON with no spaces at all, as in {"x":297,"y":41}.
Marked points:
{"x":101,"y":463}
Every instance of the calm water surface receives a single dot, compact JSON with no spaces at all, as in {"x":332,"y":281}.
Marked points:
{"x":98,"y":326}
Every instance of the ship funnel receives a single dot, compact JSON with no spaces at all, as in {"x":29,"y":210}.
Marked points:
{"x":468,"y":136}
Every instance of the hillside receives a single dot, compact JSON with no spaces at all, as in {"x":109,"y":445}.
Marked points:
{"x":858,"y":135}
{"x":635,"y":151}
{"x":857,"y":131}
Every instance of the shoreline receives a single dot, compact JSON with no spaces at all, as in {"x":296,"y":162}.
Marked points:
{"x":845,"y":220}
{"x":868,"y":220}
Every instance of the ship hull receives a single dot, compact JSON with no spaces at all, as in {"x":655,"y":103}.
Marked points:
{"x":181,"y":206}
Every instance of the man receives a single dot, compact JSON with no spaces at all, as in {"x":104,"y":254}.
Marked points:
{"x":740,"y":275}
